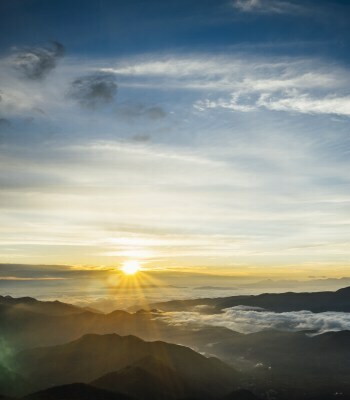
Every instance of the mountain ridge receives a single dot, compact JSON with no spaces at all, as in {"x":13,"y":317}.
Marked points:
{"x":337,"y":301}
{"x":75,"y":391}
{"x":98,"y":355}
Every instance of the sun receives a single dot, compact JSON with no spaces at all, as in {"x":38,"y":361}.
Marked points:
{"x":131,"y":267}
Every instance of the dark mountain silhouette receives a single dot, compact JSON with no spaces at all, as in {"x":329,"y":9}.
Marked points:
{"x":27,"y":322}
{"x":331,"y":396}
{"x":82,"y":391}
{"x":241,"y":394}
{"x":93,"y":356}
{"x":278,"y":302}
{"x":31,"y":326}
{"x":32,"y":305}
{"x":27,"y":329}
{"x":338,"y":341}
{"x":75,"y":391}
{"x":287,"y":362}
{"x":296,"y":352}
{"x":146,"y":379}
{"x":291,"y":362}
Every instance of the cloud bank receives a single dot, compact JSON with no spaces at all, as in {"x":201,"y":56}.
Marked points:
{"x":245,"y":320}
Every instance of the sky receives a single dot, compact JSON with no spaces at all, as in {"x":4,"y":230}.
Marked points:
{"x":207,"y":137}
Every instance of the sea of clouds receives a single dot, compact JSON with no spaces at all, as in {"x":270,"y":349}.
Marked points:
{"x":248,"y":320}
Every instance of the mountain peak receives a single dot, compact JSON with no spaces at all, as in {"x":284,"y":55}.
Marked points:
{"x":345,"y":290}
{"x":76,"y":391}
{"x":37,"y":306}
{"x":17,"y":300}
{"x":100,"y":355}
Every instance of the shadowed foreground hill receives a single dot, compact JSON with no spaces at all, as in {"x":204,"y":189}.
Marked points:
{"x":314,"y":363}
{"x":75,"y":391}
{"x":82,"y":391}
{"x":10,"y":381}
{"x":93,"y":356}
{"x":241,"y":394}
{"x":148,"y":379}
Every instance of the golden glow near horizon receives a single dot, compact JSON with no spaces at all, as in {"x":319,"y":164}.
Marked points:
{"x":155,"y":184}
{"x":131,"y":267}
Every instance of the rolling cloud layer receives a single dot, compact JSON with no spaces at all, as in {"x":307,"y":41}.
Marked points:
{"x":245,"y":320}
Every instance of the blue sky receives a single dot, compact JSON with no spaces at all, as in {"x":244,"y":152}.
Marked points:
{"x":207,"y":135}
{"x":110,"y":28}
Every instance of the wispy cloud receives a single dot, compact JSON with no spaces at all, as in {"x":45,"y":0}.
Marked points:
{"x":174,"y":166}
{"x":305,"y":103}
{"x":247,"y":84}
{"x":236,"y":82}
{"x":268,"y":6}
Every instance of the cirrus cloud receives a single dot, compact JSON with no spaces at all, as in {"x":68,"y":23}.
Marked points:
{"x":268,"y":6}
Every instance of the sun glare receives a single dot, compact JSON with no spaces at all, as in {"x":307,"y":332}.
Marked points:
{"x":131,"y":267}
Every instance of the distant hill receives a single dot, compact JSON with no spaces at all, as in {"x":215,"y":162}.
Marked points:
{"x":26,"y":322}
{"x":93,"y":356}
{"x":75,"y":391}
{"x":32,"y":305}
{"x":286,"y":362}
{"x":278,"y":302}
